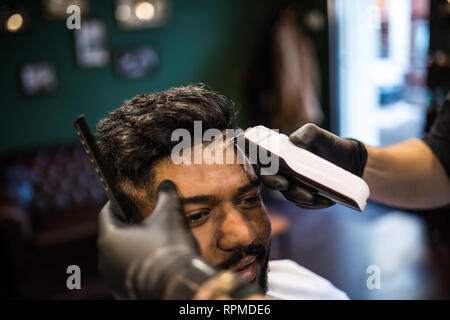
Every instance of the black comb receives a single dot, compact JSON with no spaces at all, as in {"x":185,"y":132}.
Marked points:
{"x":103,"y":170}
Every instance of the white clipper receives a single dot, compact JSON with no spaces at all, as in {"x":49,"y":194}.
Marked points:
{"x":303,"y":167}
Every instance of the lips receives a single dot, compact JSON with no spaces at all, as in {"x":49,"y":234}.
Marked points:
{"x":246,"y":268}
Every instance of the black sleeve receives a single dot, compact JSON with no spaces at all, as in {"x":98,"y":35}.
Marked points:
{"x":438,"y":138}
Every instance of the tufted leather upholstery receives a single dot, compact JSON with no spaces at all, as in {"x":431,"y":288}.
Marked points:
{"x":49,"y":201}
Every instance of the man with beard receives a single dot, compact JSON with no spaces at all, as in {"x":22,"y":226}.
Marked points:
{"x":221,"y":202}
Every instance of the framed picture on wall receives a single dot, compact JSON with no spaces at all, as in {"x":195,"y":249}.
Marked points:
{"x":38,"y":78}
{"x":135,"y":62}
{"x":91,"y":45}
{"x":57,"y":9}
{"x":141,"y":14}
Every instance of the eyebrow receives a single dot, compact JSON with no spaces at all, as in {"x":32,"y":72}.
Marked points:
{"x":204,"y":198}
{"x":248,"y":186}
{"x":208,"y":198}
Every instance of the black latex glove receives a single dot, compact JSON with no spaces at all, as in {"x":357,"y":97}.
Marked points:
{"x":157,"y":258}
{"x":349,"y":154}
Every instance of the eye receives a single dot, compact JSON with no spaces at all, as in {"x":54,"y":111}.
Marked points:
{"x":198,"y":217}
{"x":250,"y":201}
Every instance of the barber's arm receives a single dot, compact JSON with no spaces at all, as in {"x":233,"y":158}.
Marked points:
{"x":407,"y":174}
{"x":158,"y":258}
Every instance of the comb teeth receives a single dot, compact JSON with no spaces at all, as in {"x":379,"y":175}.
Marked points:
{"x":103,"y":172}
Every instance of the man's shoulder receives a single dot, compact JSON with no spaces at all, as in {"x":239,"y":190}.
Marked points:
{"x":290,"y":281}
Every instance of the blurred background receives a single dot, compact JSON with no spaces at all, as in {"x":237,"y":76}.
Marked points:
{"x":375,"y":70}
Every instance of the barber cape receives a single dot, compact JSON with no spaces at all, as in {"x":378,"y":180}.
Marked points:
{"x":288,"y":280}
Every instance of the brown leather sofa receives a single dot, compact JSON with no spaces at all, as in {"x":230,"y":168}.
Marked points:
{"x":49,"y":201}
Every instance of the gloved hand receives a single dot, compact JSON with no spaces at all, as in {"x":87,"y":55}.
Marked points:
{"x":155,"y":259}
{"x":349,"y":154}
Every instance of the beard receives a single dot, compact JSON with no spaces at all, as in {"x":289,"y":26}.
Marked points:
{"x":262,"y":257}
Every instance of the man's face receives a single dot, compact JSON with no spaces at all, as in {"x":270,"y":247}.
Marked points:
{"x":226,"y":215}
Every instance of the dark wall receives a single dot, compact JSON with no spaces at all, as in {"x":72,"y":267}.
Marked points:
{"x":205,"y":41}
{"x":439,"y":76}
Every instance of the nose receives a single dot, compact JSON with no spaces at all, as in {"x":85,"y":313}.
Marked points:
{"x":235,"y":230}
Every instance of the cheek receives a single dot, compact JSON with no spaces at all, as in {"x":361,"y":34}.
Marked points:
{"x":261,"y":223}
{"x":204,"y":235}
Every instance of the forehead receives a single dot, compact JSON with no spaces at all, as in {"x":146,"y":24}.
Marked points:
{"x":215,"y":178}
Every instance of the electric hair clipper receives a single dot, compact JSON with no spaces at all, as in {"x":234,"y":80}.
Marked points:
{"x":304,"y":168}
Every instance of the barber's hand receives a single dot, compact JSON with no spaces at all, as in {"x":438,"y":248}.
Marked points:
{"x":348,"y":154}
{"x":154,"y":258}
